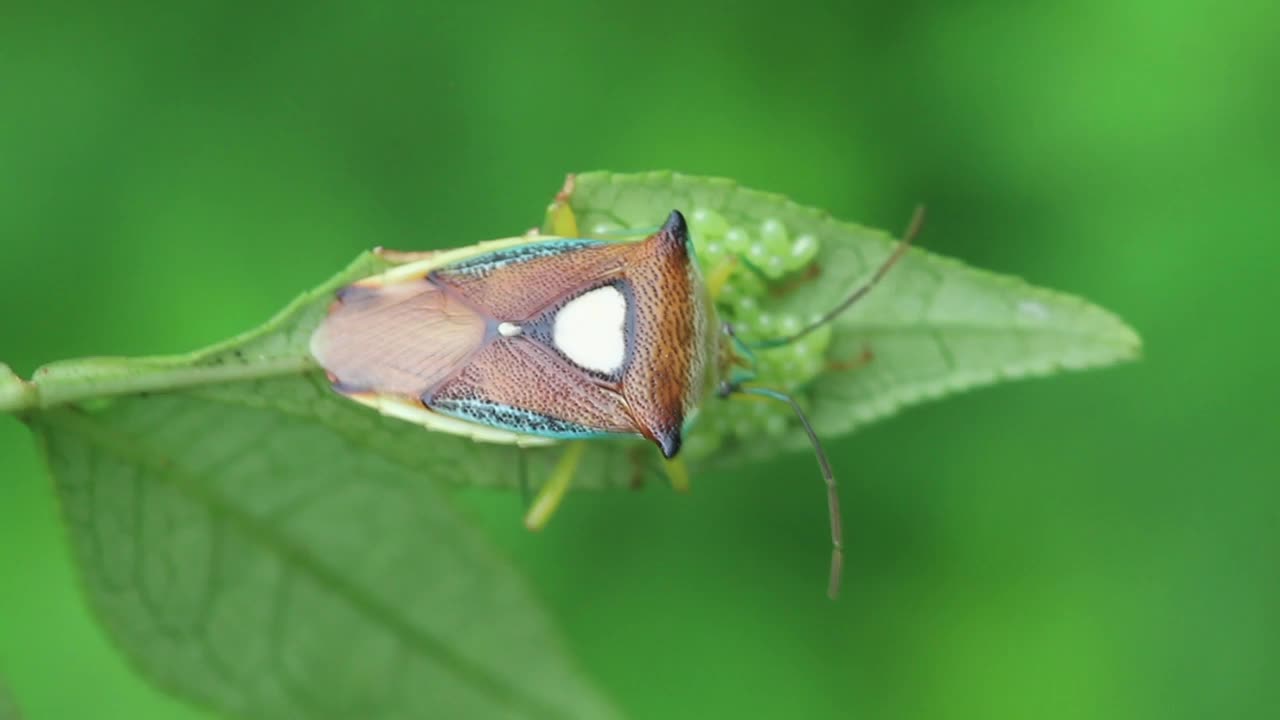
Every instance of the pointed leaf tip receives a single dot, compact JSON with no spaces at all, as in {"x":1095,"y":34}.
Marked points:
{"x":933,"y":326}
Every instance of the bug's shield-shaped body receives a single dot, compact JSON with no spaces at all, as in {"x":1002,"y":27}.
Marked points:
{"x":532,"y":342}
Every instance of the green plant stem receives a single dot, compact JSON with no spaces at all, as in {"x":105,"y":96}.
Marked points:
{"x":17,"y":395}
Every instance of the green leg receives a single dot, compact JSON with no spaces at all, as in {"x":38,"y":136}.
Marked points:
{"x":563,"y":222}
{"x":678,"y":474}
{"x":720,"y":275}
{"x":676,"y":471}
{"x":553,"y":490}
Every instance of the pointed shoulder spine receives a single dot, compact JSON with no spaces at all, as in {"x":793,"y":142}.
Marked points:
{"x":675,"y":231}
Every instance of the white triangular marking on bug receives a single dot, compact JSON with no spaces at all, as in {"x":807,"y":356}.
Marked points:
{"x":590,"y":329}
{"x":507,"y":329}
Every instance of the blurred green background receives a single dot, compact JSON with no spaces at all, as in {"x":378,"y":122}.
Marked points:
{"x":1104,"y":545}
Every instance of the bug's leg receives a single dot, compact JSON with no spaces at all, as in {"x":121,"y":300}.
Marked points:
{"x":553,"y":490}
{"x":400,"y":257}
{"x":677,"y":474}
{"x":717,"y":278}
{"x":563,"y":222}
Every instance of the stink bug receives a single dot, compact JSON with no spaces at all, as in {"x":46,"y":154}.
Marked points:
{"x":545,"y":339}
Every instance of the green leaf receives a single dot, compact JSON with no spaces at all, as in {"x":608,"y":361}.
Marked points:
{"x":255,"y":560}
{"x":261,"y":546}
{"x":934,"y":326}
{"x":258,"y":544}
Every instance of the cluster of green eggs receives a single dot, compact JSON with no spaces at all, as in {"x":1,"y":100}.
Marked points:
{"x":764,"y":259}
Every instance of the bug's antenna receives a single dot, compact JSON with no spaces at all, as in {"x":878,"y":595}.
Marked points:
{"x":833,"y":498}
{"x":913,"y":229}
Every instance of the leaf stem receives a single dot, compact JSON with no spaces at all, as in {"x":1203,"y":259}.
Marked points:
{"x":77,"y":381}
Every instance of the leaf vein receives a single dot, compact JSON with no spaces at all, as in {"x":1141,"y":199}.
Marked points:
{"x":365,"y":603}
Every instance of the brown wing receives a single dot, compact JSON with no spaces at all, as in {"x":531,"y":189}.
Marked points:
{"x":518,"y":284}
{"x":404,"y":338}
{"x":440,"y":339}
{"x":521,"y":384}
{"x":663,"y":377}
